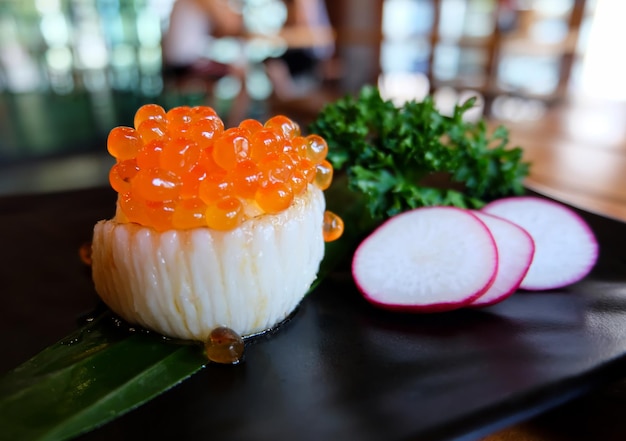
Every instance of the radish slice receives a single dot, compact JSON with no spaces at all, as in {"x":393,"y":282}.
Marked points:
{"x":565,"y":247}
{"x":428,"y":259}
{"x":515,"y":254}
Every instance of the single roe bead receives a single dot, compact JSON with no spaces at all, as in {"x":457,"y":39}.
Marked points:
{"x":317,"y":149}
{"x":298,"y":182}
{"x":189,"y":213}
{"x":283,"y":125}
{"x":149,"y":112}
{"x":156,"y":184}
{"x":308,"y":168}
{"x":123,"y":143}
{"x":179,"y":119}
{"x":245,"y":177}
{"x":299,"y":145}
{"x":224,"y":214}
{"x":133,"y":208}
{"x":274,"y":197}
{"x":250,"y":125}
{"x":199,"y":113}
{"x":231,"y":147}
{"x":121,"y":173}
{"x":323,"y":175}
{"x":190,"y":182}
{"x":224,"y":346}
{"x":333,"y":226}
{"x":179,"y":155}
{"x":264,"y":142}
{"x":152,"y":130}
{"x":276,"y":167}
{"x":215,"y":186}
{"x":203,"y":132}
{"x":150,"y":155}
{"x":160,"y":214}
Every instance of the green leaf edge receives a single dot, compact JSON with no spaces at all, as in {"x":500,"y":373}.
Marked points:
{"x":74,"y":385}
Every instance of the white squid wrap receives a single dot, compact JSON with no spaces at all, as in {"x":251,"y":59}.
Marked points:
{"x":185,"y":283}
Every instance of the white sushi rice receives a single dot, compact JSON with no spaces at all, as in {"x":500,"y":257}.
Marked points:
{"x":185,"y":283}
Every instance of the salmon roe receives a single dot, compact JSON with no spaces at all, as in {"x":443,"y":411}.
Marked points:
{"x":182,"y":169}
{"x":224,"y":346}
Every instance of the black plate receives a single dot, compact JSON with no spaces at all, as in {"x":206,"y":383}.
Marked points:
{"x":340,"y":369}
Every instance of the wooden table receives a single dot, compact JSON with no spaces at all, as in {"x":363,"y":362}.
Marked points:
{"x":578,"y":154}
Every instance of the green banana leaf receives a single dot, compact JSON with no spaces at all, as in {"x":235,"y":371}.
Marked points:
{"x":101,"y":372}
{"x":92,"y":376}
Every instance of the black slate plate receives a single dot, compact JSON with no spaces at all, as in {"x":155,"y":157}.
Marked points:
{"x":340,"y":369}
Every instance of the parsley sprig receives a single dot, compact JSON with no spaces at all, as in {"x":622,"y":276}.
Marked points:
{"x":395,"y":155}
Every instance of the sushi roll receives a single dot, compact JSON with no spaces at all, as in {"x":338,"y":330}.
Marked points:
{"x":213,"y":227}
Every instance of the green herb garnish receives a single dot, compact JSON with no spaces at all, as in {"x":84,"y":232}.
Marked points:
{"x":394,"y":155}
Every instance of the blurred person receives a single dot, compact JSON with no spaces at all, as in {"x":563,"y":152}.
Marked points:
{"x":310,"y":43}
{"x":193,"y":25}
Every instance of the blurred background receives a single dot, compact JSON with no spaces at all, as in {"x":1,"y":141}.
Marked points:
{"x":70,"y":70}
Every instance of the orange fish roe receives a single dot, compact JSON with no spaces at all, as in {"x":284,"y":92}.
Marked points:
{"x":333,"y":226}
{"x":182,"y":169}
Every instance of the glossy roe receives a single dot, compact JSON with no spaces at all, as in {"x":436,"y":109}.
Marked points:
{"x":182,"y":169}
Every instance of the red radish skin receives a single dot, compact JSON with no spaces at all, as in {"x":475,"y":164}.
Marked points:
{"x":515,"y":254}
{"x":428,"y":259}
{"x":565,"y":246}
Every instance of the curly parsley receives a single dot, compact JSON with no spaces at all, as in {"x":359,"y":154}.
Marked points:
{"x":392,"y":154}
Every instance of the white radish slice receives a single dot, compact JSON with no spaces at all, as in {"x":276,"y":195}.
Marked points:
{"x":515,"y":254}
{"x":426,"y":260}
{"x":565,"y":247}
